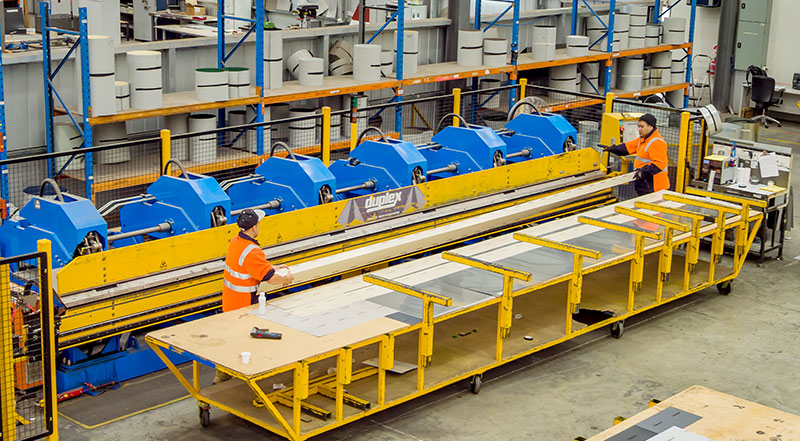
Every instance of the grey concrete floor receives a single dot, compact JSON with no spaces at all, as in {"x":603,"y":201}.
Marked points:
{"x":743,"y":344}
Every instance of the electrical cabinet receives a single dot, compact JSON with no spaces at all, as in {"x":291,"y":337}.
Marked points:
{"x":752,"y":35}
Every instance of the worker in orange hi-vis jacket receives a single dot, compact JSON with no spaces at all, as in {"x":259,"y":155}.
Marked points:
{"x":651,"y":157}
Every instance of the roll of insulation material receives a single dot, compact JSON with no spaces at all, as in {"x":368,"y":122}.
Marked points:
{"x":341,"y":50}
{"x":493,"y":97}
{"x":595,"y":30}
{"x":311,"y":72}
{"x":645,"y":78}
{"x":202,"y":148}
{"x":101,"y":75}
{"x":652,"y":35}
{"x":631,"y":72}
{"x":341,"y":67}
{"x":144,"y":72}
{"x":622,"y":26}
{"x":211,"y":84}
{"x":495,"y":52}
{"x":302,"y":133}
{"x":410,"y":52}
{"x":65,"y":138}
{"x":638,"y":14}
{"x":676,"y":97}
{"x":590,"y":77}
{"x":677,"y":72}
{"x":661,"y":60}
{"x":563,"y":78}
{"x":238,"y":82}
{"x":655,"y":76}
{"x":543,"y":46}
{"x":387,"y":58}
{"x":122,"y":92}
{"x":111,"y":134}
{"x":638,"y":31}
{"x":674,"y":30}
{"x":178,"y":124}
{"x":637,"y":42}
{"x":470,"y":48}
{"x":367,"y":62}
{"x":577,"y":46}
{"x":273,"y":59}
{"x":293,"y":62}
{"x":239,"y":139}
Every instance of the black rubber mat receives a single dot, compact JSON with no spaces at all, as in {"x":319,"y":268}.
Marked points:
{"x":131,"y":398}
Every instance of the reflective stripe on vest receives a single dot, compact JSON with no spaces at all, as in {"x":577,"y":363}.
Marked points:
{"x":246,"y":251}
{"x":237,"y":275}
{"x":650,"y":143}
{"x":243,"y":289}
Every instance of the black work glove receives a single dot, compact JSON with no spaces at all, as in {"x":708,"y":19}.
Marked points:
{"x":617,"y":149}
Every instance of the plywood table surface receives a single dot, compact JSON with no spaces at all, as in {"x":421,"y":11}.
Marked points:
{"x":722,"y":418}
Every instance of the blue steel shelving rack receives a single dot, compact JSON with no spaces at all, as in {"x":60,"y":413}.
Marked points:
{"x":657,"y":14}
{"x":223,"y":57}
{"x":50,"y":91}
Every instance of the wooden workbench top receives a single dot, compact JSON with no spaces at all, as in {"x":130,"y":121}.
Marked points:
{"x":722,"y":418}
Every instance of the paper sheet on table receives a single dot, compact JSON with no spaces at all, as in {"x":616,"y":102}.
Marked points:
{"x":678,"y":434}
{"x":768,"y":164}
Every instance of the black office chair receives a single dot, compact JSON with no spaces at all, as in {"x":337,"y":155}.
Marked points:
{"x":763,"y":94}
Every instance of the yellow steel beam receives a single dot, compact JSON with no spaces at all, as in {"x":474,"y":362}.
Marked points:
{"x":487,"y":266}
{"x":654,"y":219}
{"x":669,"y":210}
{"x":407,"y":289}
{"x":166,"y":150}
{"x":308,"y":408}
{"x":272,"y":410}
{"x":47,"y":320}
{"x":617,"y":227}
{"x":348,"y":399}
{"x":344,"y":373}
{"x":701,"y":203}
{"x":299,"y":392}
{"x":523,"y":87}
{"x":725,"y":197}
{"x":385,"y":362}
{"x":683,"y":148}
{"x":561,"y":246}
{"x":456,"y":105}
{"x":326,"y":136}
{"x":8,"y":405}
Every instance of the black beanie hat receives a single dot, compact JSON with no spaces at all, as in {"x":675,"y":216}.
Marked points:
{"x":649,"y":119}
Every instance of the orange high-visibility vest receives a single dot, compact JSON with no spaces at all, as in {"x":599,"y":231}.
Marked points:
{"x":246,"y":266}
{"x":651,"y":150}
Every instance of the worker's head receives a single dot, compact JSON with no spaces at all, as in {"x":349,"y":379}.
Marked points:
{"x":248,"y":221}
{"x":647,"y":123}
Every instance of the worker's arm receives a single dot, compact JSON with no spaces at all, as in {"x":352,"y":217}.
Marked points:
{"x":259,"y":268}
{"x":625,"y":149}
{"x":273,"y":278}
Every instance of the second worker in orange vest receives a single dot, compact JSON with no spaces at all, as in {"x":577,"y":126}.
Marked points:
{"x":246,"y":265}
{"x":651,"y":157}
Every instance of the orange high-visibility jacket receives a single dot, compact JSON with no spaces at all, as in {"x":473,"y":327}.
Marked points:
{"x":651,"y":150}
{"x":246,"y":266}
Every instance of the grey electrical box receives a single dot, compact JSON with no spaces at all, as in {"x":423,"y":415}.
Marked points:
{"x":755,"y":10}
{"x":752,"y":35}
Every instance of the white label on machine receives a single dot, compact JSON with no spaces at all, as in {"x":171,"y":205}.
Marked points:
{"x":630,"y":130}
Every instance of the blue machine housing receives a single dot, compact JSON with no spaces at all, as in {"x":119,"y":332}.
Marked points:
{"x":553,"y":129}
{"x":65,"y":224}
{"x":295,"y":183}
{"x":390,"y":163}
{"x":186,"y":202}
{"x":472,"y":148}
{"x":516,"y":143}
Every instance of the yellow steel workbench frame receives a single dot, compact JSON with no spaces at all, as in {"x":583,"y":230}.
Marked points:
{"x":648,"y":286}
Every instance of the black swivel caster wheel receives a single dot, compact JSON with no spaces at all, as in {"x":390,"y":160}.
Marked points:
{"x":475,"y":384}
{"x":204,"y":411}
{"x":724,"y":288}
{"x":616,"y":329}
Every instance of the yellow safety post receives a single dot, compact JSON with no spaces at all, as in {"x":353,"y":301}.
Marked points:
{"x":426,"y":330}
{"x":576,"y":281}
{"x":385,"y":362}
{"x":344,"y":375}
{"x":44,"y":246}
{"x":504,"y":313}
{"x":637,"y":264}
{"x":300,"y":391}
{"x":523,"y":86}
{"x":8,"y":405}
{"x":326,"y":136}
{"x":166,"y":149}
{"x":353,"y":122}
{"x":456,"y":105}
{"x":665,"y":261}
{"x":609,"y":102}
{"x":683,"y":149}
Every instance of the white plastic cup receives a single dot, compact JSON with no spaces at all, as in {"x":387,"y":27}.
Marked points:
{"x":245,"y":357}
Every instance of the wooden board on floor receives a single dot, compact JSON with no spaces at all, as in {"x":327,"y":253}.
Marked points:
{"x":723,"y":417}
